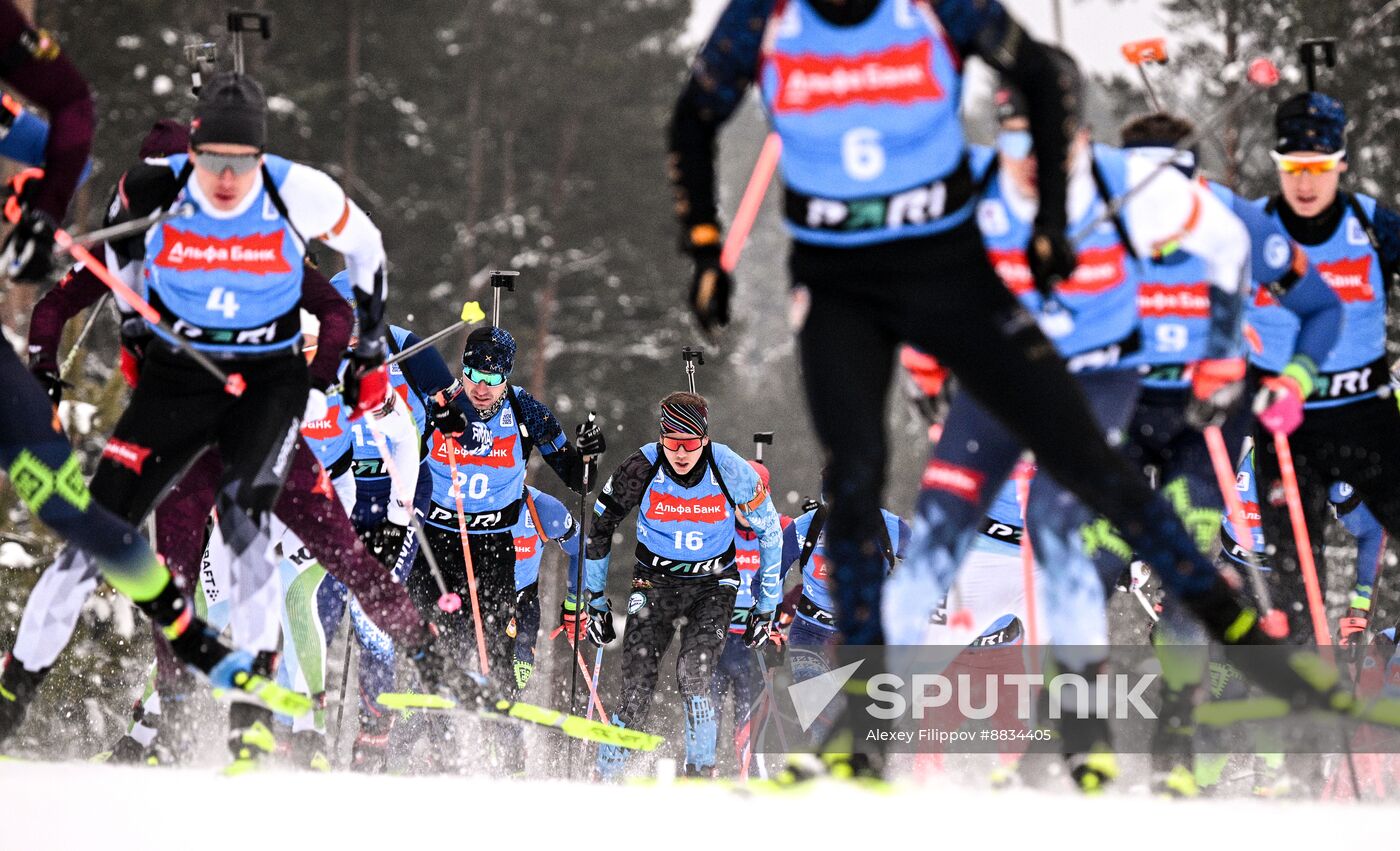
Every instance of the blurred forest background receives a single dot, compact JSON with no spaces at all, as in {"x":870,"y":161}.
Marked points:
{"x":530,"y":135}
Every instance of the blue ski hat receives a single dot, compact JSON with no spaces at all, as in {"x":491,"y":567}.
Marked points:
{"x":341,"y":282}
{"x":1313,"y":122}
{"x":490,"y":349}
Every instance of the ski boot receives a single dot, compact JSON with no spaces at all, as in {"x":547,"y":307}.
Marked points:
{"x":370,"y":753}
{"x":1172,"y":750}
{"x":308,"y":751}
{"x":17,"y":689}
{"x":1087,"y":740}
{"x":442,"y":675}
{"x":200,"y":647}
{"x":250,"y":737}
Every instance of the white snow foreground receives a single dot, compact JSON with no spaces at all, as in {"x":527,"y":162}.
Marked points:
{"x":110,"y":808}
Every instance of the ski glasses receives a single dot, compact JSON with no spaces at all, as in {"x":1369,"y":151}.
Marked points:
{"x":1015,"y":144}
{"x":239,"y":164}
{"x":476,"y":376}
{"x":1307,"y":163}
{"x":688,"y":444}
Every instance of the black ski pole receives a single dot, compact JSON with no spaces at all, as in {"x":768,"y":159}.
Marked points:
{"x":580,"y":595}
{"x":344,"y":682}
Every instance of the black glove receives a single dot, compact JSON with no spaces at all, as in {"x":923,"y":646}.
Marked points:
{"x":709,"y":289}
{"x":760,"y":628}
{"x":27,"y":255}
{"x":384,"y":542}
{"x":53,"y":384}
{"x":600,"y":625}
{"x":445,"y":415}
{"x":1050,"y":257}
{"x":588,"y":440}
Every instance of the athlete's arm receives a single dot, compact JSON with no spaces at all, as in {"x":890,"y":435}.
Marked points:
{"x":621,"y":493}
{"x":548,"y":436}
{"x":901,"y":536}
{"x":140,"y":191}
{"x":1370,"y":549}
{"x":791,"y":548}
{"x":1387,"y":224}
{"x":1281,"y":265}
{"x":721,"y":73}
{"x":46,"y":78}
{"x":428,"y":375}
{"x":77,"y":290}
{"x":395,"y":423}
{"x":753,"y":501}
{"x":320,"y":210}
{"x":1171,"y":209}
{"x":559,"y":526}
{"x":321,"y":300}
{"x":1050,"y":83}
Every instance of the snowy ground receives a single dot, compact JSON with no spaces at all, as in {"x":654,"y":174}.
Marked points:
{"x":82,"y":806}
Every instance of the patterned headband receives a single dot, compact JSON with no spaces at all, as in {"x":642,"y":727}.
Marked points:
{"x":681,"y":418}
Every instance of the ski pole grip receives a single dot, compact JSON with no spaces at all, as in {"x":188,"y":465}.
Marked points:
{"x":472,"y":312}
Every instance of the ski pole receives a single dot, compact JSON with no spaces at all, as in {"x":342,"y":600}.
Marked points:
{"x":578,"y":578}
{"x":344,"y":684}
{"x":1274,"y":624}
{"x":1302,"y":541}
{"x":467,"y":558}
{"x":772,"y":701}
{"x":597,"y":673}
{"x":1151,"y":51}
{"x":448,"y":602}
{"x":123,"y":230}
{"x":500,"y":281}
{"x":93,"y":315}
{"x":752,"y":201}
{"x":1023,"y":474}
{"x":233,"y":383}
{"x":471,"y":313}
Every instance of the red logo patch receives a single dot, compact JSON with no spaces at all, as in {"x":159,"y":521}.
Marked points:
{"x":1099,"y":270}
{"x":502,"y":452}
{"x":525,"y":547}
{"x":128,"y":455}
{"x":260,"y":254}
{"x":710,"y":509}
{"x":961,"y":482}
{"x":747,"y":560}
{"x":820,"y":569}
{"x":901,"y":74}
{"x":323,"y":429}
{"x":1349,"y":278}
{"x":1190,"y":301}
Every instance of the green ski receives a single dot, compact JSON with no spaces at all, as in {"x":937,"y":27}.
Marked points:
{"x":570,"y":725}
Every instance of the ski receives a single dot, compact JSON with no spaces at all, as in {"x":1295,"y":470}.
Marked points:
{"x":1384,"y":712}
{"x":571,"y":725}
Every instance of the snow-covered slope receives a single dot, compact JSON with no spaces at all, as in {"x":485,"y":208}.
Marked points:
{"x":79,"y":806}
